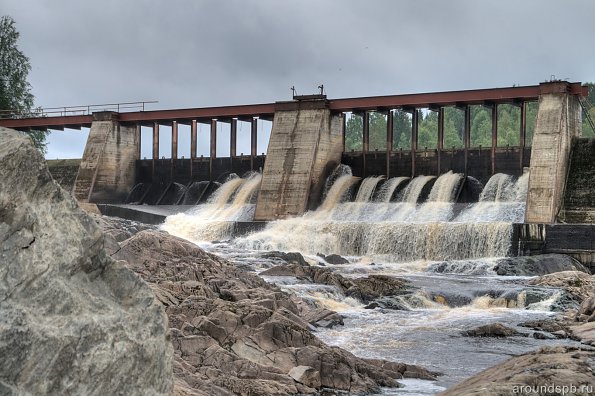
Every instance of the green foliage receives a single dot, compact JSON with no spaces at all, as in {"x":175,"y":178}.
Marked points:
{"x":16,"y":98}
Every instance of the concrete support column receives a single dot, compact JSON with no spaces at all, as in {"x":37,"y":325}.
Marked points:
{"x":494,"y":135}
{"x":558,"y":122}
{"x":414,"y":132}
{"x":174,"y":140}
{"x":193,"y":138}
{"x":389,"y":140}
{"x":440,"y":145}
{"x":108,"y":167}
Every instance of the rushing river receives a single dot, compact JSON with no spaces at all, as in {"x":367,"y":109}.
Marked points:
{"x":410,"y":229}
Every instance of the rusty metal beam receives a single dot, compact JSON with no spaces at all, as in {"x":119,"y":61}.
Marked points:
{"x":366,"y":140}
{"x":440,"y":138}
{"x":414,"y":131}
{"x":155,"y":141}
{"x":389,"y":140}
{"x":140,"y":141}
{"x":233,"y":137}
{"x":494,"y":135}
{"x":193,"y":138}
{"x":523,"y":133}
{"x":467,"y":136}
{"x":213,"y":152}
{"x":267,"y":110}
{"x":174,"y":140}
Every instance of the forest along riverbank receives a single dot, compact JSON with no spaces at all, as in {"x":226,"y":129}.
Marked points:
{"x":447,"y":256}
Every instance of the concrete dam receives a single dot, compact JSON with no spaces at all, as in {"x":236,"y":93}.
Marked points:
{"x":307,"y":164}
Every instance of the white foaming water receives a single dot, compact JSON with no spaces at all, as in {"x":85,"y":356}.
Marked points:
{"x":388,"y":188}
{"x":414,"y":188}
{"x":366,"y":189}
{"x":214,"y":220}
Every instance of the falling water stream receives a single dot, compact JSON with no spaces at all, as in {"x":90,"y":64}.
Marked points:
{"x":447,"y":251}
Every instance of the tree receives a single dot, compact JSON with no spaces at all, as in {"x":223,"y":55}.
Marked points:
{"x":16,"y":99}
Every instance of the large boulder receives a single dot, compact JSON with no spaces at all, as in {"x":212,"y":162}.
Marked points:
{"x":233,"y":333}
{"x":72,"y":320}
{"x":578,"y":285}
{"x":526,"y":374}
{"x":542,"y":264}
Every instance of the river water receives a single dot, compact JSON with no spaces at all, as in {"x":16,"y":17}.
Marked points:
{"x":395,"y":227}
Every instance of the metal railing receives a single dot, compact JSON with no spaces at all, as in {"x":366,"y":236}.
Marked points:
{"x":76,"y":110}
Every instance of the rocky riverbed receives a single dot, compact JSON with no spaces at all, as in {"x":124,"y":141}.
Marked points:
{"x":97,"y":305}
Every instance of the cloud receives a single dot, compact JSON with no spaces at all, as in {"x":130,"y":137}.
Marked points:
{"x":208,"y":53}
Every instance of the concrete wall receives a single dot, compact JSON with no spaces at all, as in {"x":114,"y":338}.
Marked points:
{"x":558,"y":121}
{"x":107,"y":170}
{"x":64,"y":172}
{"x":579,"y":196}
{"x":305,"y":144}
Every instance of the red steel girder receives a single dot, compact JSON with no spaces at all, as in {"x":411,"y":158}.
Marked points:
{"x":73,"y":121}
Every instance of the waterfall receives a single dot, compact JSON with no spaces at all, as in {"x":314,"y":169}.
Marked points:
{"x":227,"y":189}
{"x":366,"y":189}
{"x":388,"y":188}
{"x":414,"y":188}
{"x":445,"y":188}
{"x":337,"y":192}
{"x":498,"y":188}
{"x":214,"y":220}
{"x":340,"y":170}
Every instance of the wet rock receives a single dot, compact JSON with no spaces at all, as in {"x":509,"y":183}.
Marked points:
{"x":586,"y":312}
{"x":233,"y":333}
{"x":538,"y":265}
{"x":374,"y":286}
{"x":402,"y":370}
{"x":491,"y":330}
{"x":289,"y":258}
{"x":585,"y":333}
{"x":557,"y":327}
{"x":335,"y":259}
{"x":578,"y":285}
{"x":364,"y":289}
{"x":560,"y":366}
{"x":72,"y":320}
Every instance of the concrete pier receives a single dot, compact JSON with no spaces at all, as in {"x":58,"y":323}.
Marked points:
{"x":107,"y":169}
{"x":305,"y":145}
{"x":558,"y":122}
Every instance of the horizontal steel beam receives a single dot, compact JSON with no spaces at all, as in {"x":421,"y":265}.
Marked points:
{"x":266,"y":111}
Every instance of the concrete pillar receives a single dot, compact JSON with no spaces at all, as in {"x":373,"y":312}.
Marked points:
{"x":108,"y":167}
{"x":558,"y":121}
{"x":305,"y":146}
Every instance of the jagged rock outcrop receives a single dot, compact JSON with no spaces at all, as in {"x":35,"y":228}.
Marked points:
{"x":491,"y":330}
{"x":578,"y":285}
{"x":233,"y":333}
{"x":557,"y":366}
{"x":72,"y":320}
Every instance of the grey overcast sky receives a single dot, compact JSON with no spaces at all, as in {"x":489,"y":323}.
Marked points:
{"x":193,"y":53}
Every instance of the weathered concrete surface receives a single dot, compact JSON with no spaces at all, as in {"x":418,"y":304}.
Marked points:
{"x":558,"y":121}
{"x":579,"y":195}
{"x":64,"y":172}
{"x":72,"y":320}
{"x":304,"y":145}
{"x":107,"y":170}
